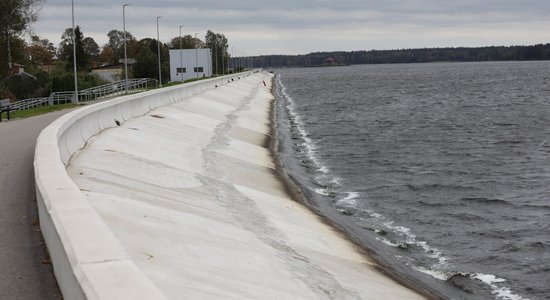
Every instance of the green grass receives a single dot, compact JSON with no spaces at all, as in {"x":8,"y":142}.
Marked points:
{"x":172,"y":83}
{"x":196,"y":79}
{"x":40,"y":110}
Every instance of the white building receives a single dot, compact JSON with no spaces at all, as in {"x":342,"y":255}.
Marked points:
{"x":190,"y":63}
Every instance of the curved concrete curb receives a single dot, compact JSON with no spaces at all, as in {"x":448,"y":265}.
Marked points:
{"x":89,"y":261}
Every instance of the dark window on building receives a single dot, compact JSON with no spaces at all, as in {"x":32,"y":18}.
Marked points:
{"x":199,"y":69}
{"x":181,"y":70}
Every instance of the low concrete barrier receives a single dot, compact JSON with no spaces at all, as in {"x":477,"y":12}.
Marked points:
{"x":98,"y":267}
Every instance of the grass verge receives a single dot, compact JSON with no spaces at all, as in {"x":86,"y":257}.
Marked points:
{"x":40,"y":110}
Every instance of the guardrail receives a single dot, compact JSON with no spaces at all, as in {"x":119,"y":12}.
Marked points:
{"x":107,"y":90}
{"x":89,"y":262}
{"x":29,"y":103}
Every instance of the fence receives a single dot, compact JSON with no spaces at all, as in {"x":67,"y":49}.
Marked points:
{"x":103,"y":91}
{"x":29,"y":103}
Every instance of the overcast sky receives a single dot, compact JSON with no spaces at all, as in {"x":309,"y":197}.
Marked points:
{"x":300,"y":26}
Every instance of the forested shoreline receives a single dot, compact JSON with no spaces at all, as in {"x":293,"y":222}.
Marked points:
{"x":459,"y":54}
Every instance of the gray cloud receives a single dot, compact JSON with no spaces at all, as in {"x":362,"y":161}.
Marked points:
{"x":284,"y":26}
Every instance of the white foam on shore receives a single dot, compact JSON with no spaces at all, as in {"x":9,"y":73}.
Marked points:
{"x":350,"y":200}
{"x":309,"y":146}
{"x":441,"y":275}
{"x":501,"y":292}
{"x":411,"y":238}
{"x":329,"y":184}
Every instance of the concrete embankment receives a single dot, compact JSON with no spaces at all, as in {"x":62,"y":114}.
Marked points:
{"x":182,"y":200}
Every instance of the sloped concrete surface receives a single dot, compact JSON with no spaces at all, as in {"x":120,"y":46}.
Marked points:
{"x":89,"y":261}
{"x":187,"y":202}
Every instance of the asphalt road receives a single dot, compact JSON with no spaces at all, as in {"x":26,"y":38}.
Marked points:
{"x":25,"y":270}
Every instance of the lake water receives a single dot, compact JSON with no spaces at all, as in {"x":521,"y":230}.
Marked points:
{"x":442,"y":169}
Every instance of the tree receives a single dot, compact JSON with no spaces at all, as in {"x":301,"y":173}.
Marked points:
{"x":146,"y":64}
{"x":147,"y":60}
{"x":187,"y":42}
{"x":15,"y":16}
{"x":107,"y":56}
{"x":91,"y":48}
{"x":40,"y":51}
{"x":218,"y":44}
{"x":65,"y":52}
{"x":116,"y":42}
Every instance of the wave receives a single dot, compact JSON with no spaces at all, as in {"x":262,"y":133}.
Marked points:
{"x":296,"y":122}
{"x":324,"y":182}
{"x":512,"y":142}
{"x":349,"y":200}
{"x":535,"y":207}
{"x":438,"y":186}
{"x":482,"y":200}
{"x":495,"y":284}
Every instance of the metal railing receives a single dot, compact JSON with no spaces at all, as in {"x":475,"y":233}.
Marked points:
{"x":30,"y":103}
{"x":120,"y":87}
{"x":116,"y":88}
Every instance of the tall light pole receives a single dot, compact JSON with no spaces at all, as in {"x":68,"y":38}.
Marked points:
{"x":181,"y":56}
{"x":158,"y":51}
{"x":223,"y":61}
{"x":125,"y":55}
{"x":209,"y":54}
{"x":75,"y":98}
{"x":216,"y":55}
{"x":196,"y":58}
{"x":232,"y":59}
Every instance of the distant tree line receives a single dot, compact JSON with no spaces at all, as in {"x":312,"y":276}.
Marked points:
{"x":461,"y":54}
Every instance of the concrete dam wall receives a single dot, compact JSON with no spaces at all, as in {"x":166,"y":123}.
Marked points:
{"x":182,"y":200}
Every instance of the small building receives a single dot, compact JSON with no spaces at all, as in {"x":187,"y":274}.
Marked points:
{"x":190,"y":63}
{"x":18,"y":70}
{"x":115,"y":72}
{"x":110,"y":73}
{"x":330,"y":61}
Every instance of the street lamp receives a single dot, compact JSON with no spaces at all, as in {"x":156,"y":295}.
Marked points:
{"x":223,"y":61}
{"x":216,"y":56}
{"x":158,"y":50}
{"x":232,"y":59}
{"x":208,"y":54}
{"x":125,"y":55}
{"x":196,"y":57}
{"x":75,"y":99}
{"x":181,"y":57}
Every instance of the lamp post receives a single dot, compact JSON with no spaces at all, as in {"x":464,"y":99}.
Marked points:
{"x":223,"y":61}
{"x":75,"y":98}
{"x":196,"y":58}
{"x":125,"y":54}
{"x":216,"y":56}
{"x":158,"y":51}
{"x":206,"y":47}
{"x":232,"y":59}
{"x":181,"y":57}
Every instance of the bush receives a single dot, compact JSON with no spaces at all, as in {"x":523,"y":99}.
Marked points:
{"x":24,"y":87}
{"x":64,"y":81}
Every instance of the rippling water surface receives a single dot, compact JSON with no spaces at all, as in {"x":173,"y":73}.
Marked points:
{"x":442,"y":169}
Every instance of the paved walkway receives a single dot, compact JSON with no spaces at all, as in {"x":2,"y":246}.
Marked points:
{"x":25,"y":272}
